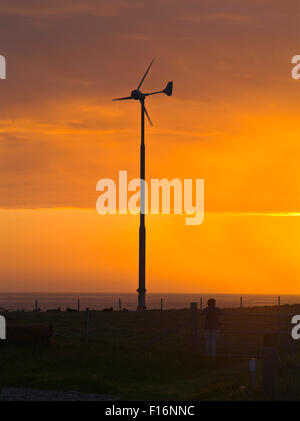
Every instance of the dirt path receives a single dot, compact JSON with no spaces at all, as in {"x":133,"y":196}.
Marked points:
{"x":20,"y":394}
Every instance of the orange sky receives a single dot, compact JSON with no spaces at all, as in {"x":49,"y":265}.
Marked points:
{"x":233,"y":120}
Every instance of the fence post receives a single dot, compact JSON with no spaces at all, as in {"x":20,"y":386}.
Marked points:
{"x":253,"y":372}
{"x":270,"y":366}
{"x":86,"y":324}
{"x":78,"y":305}
{"x":241,"y":302}
{"x":120,"y":304}
{"x":161,"y":304}
{"x":201,"y":304}
{"x":194,"y":324}
{"x":279,"y":301}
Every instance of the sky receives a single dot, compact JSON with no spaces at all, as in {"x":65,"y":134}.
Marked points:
{"x":233,"y":120}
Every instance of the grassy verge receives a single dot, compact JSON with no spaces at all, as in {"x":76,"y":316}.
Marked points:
{"x":123,"y":358}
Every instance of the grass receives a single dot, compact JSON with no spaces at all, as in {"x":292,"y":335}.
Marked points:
{"x":124,"y":359}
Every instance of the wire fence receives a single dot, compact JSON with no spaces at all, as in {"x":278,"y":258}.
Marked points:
{"x":241,"y":334}
{"x":250,"y":335}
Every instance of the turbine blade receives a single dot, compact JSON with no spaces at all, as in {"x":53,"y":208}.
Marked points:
{"x":145,"y":74}
{"x":146,"y":112}
{"x":122,"y":99}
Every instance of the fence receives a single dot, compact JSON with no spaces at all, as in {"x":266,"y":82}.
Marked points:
{"x":249,"y":334}
{"x":128,"y":301}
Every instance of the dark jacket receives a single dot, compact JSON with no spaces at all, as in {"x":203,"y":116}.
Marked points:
{"x":212,"y":317}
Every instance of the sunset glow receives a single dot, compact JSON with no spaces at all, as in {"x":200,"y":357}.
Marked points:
{"x":233,"y":120}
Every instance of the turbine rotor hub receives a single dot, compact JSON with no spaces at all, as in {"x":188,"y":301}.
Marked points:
{"x":136,"y":94}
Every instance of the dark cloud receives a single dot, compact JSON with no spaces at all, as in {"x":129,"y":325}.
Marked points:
{"x":50,"y":8}
{"x":224,"y":56}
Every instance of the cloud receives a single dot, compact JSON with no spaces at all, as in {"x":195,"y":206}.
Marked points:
{"x":229,"y":17}
{"x":48,"y":8}
{"x":132,"y":37}
{"x":60,"y":132}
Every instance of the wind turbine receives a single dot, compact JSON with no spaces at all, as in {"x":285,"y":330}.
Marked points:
{"x":140,"y":96}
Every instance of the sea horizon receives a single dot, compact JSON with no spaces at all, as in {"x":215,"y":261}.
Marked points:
{"x":99,"y":300}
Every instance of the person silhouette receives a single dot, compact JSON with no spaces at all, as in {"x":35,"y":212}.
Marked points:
{"x":211,"y":326}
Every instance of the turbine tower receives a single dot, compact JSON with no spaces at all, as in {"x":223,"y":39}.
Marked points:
{"x":140,"y":96}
